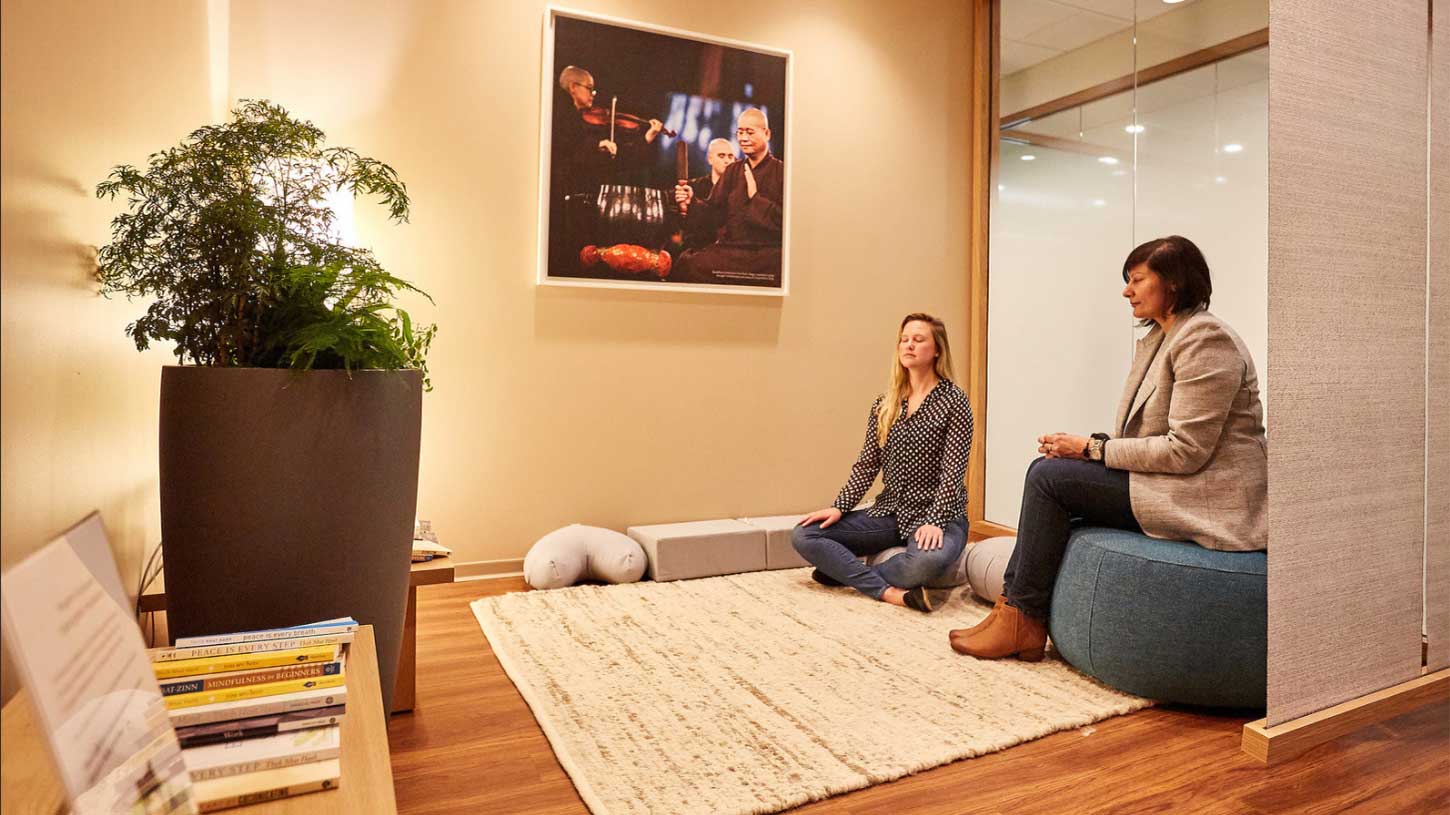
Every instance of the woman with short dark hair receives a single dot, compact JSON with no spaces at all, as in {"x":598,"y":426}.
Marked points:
{"x":1188,"y":459}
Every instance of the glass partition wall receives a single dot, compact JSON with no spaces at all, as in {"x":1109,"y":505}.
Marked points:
{"x":1121,"y":121}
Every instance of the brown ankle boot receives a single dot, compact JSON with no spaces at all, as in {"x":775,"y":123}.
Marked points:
{"x":1011,"y":633}
{"x":992,"y":616}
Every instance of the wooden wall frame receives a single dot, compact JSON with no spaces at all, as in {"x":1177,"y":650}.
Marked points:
{"x":986,"y":26}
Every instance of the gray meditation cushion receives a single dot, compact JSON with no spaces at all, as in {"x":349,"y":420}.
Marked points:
{"x":953,"y":577}
{"x":986,"y":562}
{"x":577,"y":552}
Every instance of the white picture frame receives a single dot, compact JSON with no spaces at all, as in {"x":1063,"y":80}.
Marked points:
{"x":687,"y":107}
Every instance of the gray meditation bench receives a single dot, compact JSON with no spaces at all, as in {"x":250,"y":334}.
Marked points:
{"x":682,"y":551}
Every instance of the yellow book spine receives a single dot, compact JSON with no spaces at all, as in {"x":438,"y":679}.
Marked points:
{"x":252,"y":691}
{"x":243,"y":662}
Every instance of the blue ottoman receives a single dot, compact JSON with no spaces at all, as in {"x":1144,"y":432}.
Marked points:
{"x":1168,"y":620}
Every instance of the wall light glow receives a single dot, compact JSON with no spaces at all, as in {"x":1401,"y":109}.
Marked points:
{"x":1029,"y":157}
{"x":1133,"y":129}
{"x":1233,"y":148}
{"x":1107,"y":160}
{"x":218,"y":17}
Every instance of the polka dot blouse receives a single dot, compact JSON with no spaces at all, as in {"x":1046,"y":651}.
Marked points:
{"x":922,"y":465}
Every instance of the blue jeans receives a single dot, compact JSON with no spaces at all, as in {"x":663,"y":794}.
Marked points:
{"x":1060,"y":493}
{"x":834,"y":549}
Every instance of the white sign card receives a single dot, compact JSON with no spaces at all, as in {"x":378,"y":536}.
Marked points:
{"x":88,"y":677}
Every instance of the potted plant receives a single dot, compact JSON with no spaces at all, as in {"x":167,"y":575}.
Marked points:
{"x":289,"y":445}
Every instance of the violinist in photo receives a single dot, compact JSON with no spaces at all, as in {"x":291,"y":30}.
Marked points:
{"x":746,"y":207}
{"x":594,"y":152}
{"x":594,"y":146}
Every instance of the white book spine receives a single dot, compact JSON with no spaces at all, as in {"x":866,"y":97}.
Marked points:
{"x":263,"y":764}
{"x":265,"y":636}
{"x":260,"y":764}
{"x":170,"y":654}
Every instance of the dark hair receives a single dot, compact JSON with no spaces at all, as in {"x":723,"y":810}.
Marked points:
{"x":1181,"y":266}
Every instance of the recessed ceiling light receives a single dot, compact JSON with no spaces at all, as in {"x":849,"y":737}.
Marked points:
{"x":1218,"y":179}
{"x":1172,"y":2}
{"x":1107,"y":160}
{"x":1233,"y":148}
{"x":1001,"y":187}
{"x":1029,"y":157}
{"x":1098,"y":202}
{"x":1133,"y":129}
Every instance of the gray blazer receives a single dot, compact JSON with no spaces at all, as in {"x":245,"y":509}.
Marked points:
{"x":1190,"y":431}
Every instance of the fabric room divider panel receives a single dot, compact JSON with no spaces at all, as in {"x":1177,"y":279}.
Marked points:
{"x":1437,"y":471}
{"x":1347,"y":349}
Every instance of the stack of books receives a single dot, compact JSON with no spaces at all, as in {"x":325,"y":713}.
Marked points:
{"x":424,"y":551}
{"x":425,"y":543}
{"x":258,"y":713}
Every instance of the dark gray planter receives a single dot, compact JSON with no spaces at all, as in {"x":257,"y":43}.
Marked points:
{"x":288,"y":498}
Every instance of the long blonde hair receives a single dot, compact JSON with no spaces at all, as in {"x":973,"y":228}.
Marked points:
{"x":900,"y":382}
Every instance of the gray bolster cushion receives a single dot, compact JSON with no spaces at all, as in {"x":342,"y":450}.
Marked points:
{"x":577,"y":552}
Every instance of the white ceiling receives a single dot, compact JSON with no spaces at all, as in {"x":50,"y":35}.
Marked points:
{"x":1034,"y":31}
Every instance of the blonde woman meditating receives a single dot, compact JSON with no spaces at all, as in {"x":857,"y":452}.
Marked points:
{"x":918,"y":437}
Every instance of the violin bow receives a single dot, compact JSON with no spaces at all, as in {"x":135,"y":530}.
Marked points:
{"x":613,"y":105}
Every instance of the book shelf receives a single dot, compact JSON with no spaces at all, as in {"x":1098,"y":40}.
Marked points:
{"x":29,"y":787}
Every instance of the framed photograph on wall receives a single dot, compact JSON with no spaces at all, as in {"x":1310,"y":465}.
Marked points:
{"x":663,"y":159}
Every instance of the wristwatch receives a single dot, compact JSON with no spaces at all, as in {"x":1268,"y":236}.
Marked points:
{"x":1094,"y":449}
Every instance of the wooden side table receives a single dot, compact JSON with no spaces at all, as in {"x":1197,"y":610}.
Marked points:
{"x":437,"y":570}
{"x":29,"y":786}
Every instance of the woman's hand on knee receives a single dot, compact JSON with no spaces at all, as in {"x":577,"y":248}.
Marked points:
{"x":826,"y":517}
{"x":928,"y":537}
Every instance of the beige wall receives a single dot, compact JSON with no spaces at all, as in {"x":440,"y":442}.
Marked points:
{"x":557,"y":405}
{"x":85,"y":86}
{"x":551,"y":405}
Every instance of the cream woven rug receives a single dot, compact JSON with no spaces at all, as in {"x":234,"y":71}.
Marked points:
{"x":757,"y":692}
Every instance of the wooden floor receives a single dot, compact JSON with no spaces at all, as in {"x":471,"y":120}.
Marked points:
{"x":472,"y":746}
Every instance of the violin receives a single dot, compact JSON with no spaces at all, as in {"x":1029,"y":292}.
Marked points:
{"x":612,"y":118}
